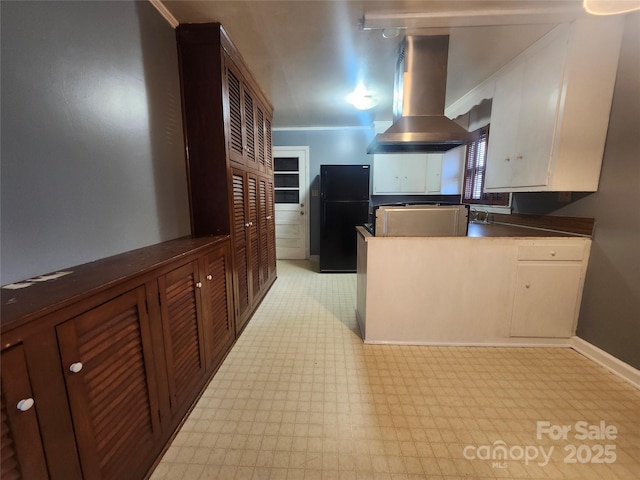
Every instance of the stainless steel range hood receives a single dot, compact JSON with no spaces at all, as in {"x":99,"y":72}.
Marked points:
{"x":418,"y":103}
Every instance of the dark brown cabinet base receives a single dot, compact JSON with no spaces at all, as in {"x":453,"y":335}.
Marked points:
{"x":100,"y":367}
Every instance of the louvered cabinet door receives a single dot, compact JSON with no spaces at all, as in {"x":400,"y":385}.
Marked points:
{"x":240,"y":247}
{"x":263,"y":231}
{"x":260,"y":139}
{"x":180,"y":306}
{"x":271,"y":230}
{"x":254,"y":239}
{"x":107,"y":358}
{"x":219,"y":328}
{"x":235,"y":107}
{"x":249,"y":105}
{"x":268,"y":144}
{"x":22,"y":450}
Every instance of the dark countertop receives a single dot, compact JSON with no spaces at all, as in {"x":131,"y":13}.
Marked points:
{"x":480,"y":230}
{"x":486,"y":230}
{"x":40,"y":298}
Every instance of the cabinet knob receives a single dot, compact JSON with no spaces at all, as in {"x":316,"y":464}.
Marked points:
{"x":251,"y":224}
{"x":25,"y":404}
{"x":76,"y":367}
{"x":519,"y":157}
{"x":247,"y":224}
{"x":268,"y":217}
{"x":199,"y":285}
{"x":527,"y":285}
{"x":209,"y":277}
{"x":507,"y":159}
{"x":553,"y":253}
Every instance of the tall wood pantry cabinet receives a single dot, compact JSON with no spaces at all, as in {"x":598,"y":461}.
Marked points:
{"x":229,"y":150}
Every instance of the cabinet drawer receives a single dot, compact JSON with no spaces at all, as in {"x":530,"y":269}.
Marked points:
{"x":551,"y":252}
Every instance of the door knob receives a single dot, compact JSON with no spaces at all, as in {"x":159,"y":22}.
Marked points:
{"x":76,"y":367}
{"x":25,"y":404}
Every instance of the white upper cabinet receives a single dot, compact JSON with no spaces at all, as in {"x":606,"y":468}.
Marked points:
{"x":434,"y":173}
{"x":550,"y":110}
{"x":407,"y":174}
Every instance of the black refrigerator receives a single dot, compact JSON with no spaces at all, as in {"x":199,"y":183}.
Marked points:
{"x":344,"y":203}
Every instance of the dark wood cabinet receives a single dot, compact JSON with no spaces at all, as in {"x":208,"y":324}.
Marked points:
{"x":111,"y":382}
{"x":271,"y":228}
{"x":241,"y":255}
{"x":219,"y":328}
{"x":254,"y":246}
{"x":113,"y":356}
{"x":182,"y":318}
{"x":22,"y":448}
{"x":254,"y":238}
{"x":227,"y":125}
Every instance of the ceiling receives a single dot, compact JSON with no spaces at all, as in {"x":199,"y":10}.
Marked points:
{"x":307,"y":55}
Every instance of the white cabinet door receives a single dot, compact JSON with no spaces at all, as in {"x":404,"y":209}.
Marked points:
{"x":413,"y":177}
{"x":546,"y":299}
{"x":523,"y":119}
{"x":400,"y":174}
{"x":386,"y":174}
{"x":434,"y":173}
{"x":505,"y":111}
{"x":539,"y":107}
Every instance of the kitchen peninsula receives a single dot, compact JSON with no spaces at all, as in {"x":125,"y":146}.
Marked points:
{"x":500,"y":285}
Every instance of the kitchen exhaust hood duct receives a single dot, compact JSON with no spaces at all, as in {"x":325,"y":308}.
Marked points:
{"x":418,"y":101}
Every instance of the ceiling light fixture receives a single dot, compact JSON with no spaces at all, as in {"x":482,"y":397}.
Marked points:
{"x":361,"y":98}
{"x":610,"y":7}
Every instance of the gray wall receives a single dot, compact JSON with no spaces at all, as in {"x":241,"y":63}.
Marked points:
{"x":610,"y":313}
{"x":326,"y":147}
{"x":92,"y":145}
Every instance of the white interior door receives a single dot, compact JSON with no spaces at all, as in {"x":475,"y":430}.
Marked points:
{"x":291,"y":181}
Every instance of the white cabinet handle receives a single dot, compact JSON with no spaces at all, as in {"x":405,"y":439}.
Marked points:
{"x":251,"y":224}
{"x":269,"y":217}
{"x":209,"y":277}
{"x":199,"y":285}
{"x":25,"y":404}
{"x":76,"y":367}
{"x":247,"y":224}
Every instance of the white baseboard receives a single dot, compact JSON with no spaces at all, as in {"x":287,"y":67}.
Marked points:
{"x":608,"y":361}
{"x":503,"y":343}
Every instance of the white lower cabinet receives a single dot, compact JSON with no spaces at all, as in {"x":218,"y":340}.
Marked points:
{"x":469,"y":291}
{"x":548,"y":291}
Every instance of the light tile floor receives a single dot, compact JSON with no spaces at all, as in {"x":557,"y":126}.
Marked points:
{"x":301,"y":397}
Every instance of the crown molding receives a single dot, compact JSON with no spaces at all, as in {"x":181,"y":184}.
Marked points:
{"x":166,"y":14}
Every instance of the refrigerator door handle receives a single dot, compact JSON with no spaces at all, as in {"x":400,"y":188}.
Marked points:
{"x":323,"y":229}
